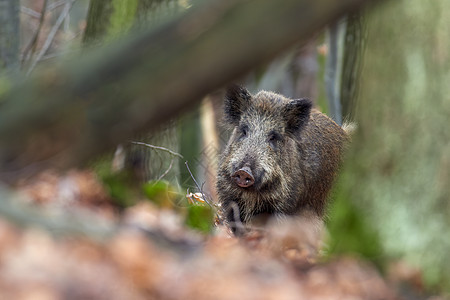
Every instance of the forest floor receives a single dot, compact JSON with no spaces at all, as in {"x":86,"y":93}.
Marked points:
{"x":154,"y":255}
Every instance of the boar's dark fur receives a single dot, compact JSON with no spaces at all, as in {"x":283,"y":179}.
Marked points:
{"x":292,"y":150}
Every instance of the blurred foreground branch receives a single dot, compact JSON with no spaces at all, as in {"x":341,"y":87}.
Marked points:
{"x":63,"y":116}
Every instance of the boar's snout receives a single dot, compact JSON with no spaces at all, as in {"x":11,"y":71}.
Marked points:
{"x":243,"y":177}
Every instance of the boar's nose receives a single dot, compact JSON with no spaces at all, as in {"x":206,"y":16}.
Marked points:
{"x":244,"y":177}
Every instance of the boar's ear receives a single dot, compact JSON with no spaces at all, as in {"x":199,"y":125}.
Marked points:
{"x":237,"y":100}
{"x":296,"y":114}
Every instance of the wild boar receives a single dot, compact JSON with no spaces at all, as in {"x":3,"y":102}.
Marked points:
{"x":281,"y":158}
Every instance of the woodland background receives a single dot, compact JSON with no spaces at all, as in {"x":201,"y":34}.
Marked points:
{"x":102,"y":103}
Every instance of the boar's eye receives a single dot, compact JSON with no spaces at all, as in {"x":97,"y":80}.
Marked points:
{"x":274,"y":137}
{"x":243,"y":130}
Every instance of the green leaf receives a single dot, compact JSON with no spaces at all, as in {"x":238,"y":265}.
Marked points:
{"x":161,"y":193}
{"x":200,"y":217}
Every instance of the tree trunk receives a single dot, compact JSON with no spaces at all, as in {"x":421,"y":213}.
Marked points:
{"x":9,"y":34}
{"x":333,"y":69}
{"x":398,"y":167}
{"x":354,"y":43}
{"x":107,"y":20}
{"x":98,"y":20}
{"x":153,"y":164}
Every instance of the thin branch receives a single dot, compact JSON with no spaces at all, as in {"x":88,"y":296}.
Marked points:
{"x":51,"y":35}
{"x":66,"y":24}
{"x":75,"y":35}
{"x":167,"y":171}
{"x":30,"y":12}
{"x":159,"y":148}
{"x":192,"y":176}
{"x":197,"y":185}
{"x":35,"y":14}
{"x":32,"y":44}
{"x":55,"y":5}
{"x":54,"y":55}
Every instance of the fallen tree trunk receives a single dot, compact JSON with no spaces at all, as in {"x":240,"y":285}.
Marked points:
{"x":64,"y":116}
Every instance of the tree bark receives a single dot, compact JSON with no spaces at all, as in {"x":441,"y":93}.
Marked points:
{"x":64,"y":116}
{"x":354,"y":43}
{"x":9,"y":34}
{"x":150,"y":163}
{"x":398,"y":173}
{"x":108,"y":20}
{"x":98,"y":19}
{"x":334,"y":68}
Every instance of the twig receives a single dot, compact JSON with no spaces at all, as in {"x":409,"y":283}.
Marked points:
{"x":197,"y":185}
{"x":38,"y":15}
{"x":54,"y":5}
{"x":30,"y":12}
{"x":51,"y":35}
{"x":162,"y":149}
{"x":167,"y":171}
{"x":75,"y":35}
{"x":53,"y":55}
{"x":192,"y":176}
{"x":32,"y":44}
{"x":159,"y":148}
{"x":66,"y":24}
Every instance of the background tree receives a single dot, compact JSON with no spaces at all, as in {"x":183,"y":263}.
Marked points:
{"x":353,"y":56}
{"x":9,"y":34}
{"x":397,"y":169}
{"x":109,"y":20}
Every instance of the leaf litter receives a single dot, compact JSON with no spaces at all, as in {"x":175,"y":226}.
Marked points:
{"x":154,"y":255}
